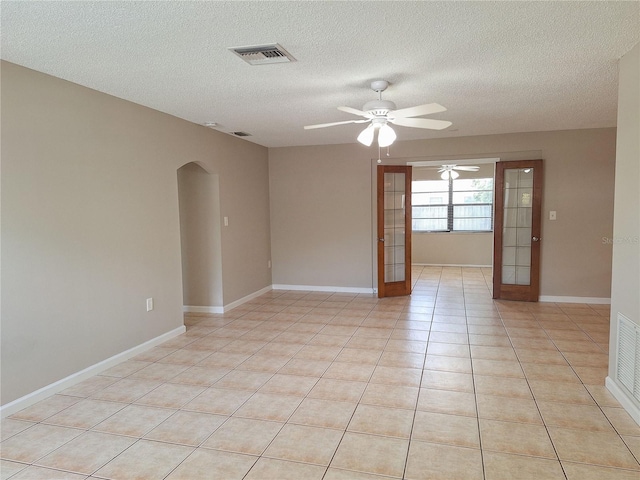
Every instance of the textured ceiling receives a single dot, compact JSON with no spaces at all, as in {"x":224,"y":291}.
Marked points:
{"x":497,"y":66}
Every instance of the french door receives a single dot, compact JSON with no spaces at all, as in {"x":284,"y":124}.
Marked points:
{"x":516,"y":245}
{"x":394,"y":230}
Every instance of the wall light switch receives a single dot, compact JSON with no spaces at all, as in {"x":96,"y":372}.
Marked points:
{"x":226,"y":221}
{"x":552,"y":215}
{"x":149,"y":304}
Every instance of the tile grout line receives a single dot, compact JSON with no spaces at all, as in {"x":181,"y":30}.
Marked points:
{"x":475,"y":396}
{"x":466,"y":291}
{"x":415,"y":410}
{"x":355,"y":409}
{"x":553,"y":445}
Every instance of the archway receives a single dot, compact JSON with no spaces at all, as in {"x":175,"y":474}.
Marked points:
{"x":200,"y":239}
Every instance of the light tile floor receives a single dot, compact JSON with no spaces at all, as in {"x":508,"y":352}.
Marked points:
{"x":445,"y":384}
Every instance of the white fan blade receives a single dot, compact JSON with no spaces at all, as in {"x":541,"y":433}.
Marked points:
{"x":422,"y":123}
{"x":418,"y":111}
{"x":468,"y":169}
{"x":354,"y":111}
{"x":322,"y":125}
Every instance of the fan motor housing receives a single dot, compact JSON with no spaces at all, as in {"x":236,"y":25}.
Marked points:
{"x":379,"y":107}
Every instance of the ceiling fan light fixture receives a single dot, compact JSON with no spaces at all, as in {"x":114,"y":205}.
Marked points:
{"x":386,"y":136}
{"x":366,"y":136}
{"x":449,"y":174}
{"x":382,"y":112}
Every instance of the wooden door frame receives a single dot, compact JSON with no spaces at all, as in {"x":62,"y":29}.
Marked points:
{"x":404,"y":287}
{"x":528,"y":293}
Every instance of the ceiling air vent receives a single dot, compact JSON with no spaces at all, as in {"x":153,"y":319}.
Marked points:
{"x":242,"y":134}
{"x":263,"y":54}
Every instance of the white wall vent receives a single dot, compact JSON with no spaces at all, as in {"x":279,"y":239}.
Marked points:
{"x":628,"y":362}
{"x":263,"y":54}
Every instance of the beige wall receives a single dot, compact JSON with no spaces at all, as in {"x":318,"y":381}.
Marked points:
{"x":90,"y":224}
{"x":321,"y":216}
{"x":626,"y":231}
{"x":200,"y":236}
{"x":474,"y":249}
{"x":331,"y":181}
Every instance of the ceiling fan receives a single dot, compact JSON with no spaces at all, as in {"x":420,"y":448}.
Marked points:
{"x":449,"y":171}
{"x":379,"y":113}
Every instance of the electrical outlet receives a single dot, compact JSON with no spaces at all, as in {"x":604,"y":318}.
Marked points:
{"x":226,"y":221}
{"x":149,"y":304}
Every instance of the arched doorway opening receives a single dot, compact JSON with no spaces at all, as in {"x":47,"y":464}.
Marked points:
{"x":200,"y":239}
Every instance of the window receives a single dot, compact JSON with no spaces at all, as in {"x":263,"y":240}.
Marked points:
{"x":460,"y":205}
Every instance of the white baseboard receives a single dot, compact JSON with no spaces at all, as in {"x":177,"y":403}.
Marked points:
{"x":562,"y":299}
{"x":249,"y":297}
{"x":318,"y":288}
{"x":628,"y":404}
{"x":225,"y":308}
{"x":449,"y":265}
{"x":73,"y":379}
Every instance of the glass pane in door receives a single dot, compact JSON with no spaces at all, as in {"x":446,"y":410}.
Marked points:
{"x":394,"y":227}
{"x":516,"y":232}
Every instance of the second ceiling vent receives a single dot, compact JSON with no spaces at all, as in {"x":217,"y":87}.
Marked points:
{"x":263,"y":54}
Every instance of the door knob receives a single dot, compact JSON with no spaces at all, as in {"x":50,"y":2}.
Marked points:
{"x":381,"y":239}
{"x":535,"y":239}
